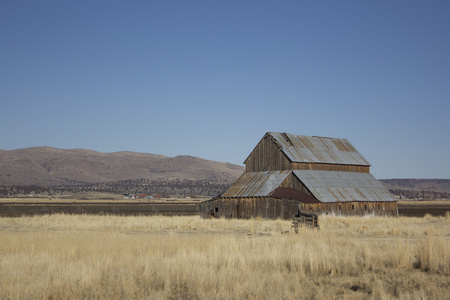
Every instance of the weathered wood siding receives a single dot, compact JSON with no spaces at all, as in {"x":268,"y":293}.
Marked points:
{"x":298,"y":185}
{"x":356,"y":208}
{"x":273,"y":208}
{"x":246,"y":208}
{"x":330,"y":167}
{"x":267,"y":157}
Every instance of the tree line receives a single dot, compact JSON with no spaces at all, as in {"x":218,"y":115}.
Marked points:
{"x":419,"y":195}
{"x":167,"y":188}
{"x":160,"y":187}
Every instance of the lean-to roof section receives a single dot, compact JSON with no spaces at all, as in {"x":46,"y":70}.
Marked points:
{"x":313,"y":149}
{"x":256,"y":184}
{"x":330,"y":186}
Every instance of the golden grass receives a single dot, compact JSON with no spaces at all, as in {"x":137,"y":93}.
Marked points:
{"x":112,"y":257}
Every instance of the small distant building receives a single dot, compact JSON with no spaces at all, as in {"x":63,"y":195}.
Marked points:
{"x":286,"y":173}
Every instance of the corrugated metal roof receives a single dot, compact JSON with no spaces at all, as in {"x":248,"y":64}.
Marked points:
{"x":256,"y":184}
{"x":328,"y":186}
{"x":314,"y":149}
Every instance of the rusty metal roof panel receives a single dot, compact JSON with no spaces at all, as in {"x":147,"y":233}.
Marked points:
{"x":332,"y":186}
{"x":256,"y":184}
{"x":314,"y":149}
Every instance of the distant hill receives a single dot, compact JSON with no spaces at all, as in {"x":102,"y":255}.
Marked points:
{"x":149,"y":173}
{"x":426,"y":189}
{"x":47,"y":166}
{"x":429,"y":185}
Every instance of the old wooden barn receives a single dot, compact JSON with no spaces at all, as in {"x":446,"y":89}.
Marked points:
{"x":287,"y":172}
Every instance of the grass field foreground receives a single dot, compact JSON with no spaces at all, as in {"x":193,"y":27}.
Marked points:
{"x":112,"y":257}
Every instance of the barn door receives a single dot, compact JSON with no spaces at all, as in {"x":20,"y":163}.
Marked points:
{"x":285,"y":212}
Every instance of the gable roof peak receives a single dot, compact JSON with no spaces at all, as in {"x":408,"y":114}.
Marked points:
{"x":272,"y":133}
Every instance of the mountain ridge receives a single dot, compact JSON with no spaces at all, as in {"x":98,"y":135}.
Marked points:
{"x":417,"y":184}
{"x":49,"y":166}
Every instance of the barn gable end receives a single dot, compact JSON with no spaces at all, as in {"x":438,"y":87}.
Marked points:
{"x":267,"y":156}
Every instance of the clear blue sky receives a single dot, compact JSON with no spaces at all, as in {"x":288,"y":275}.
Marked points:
{"x":209,"y":78}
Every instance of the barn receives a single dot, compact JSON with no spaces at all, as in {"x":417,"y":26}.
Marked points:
{"x":286,"y":173}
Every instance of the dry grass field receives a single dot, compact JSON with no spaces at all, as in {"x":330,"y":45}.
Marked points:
{"x":111,"y":257}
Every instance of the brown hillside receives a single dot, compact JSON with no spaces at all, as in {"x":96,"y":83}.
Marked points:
{"x":51,"y":166}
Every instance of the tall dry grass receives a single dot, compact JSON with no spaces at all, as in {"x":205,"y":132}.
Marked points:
{"x":110,"y":257}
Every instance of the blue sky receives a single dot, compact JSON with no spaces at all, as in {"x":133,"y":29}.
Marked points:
{"x":209,"y":78}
